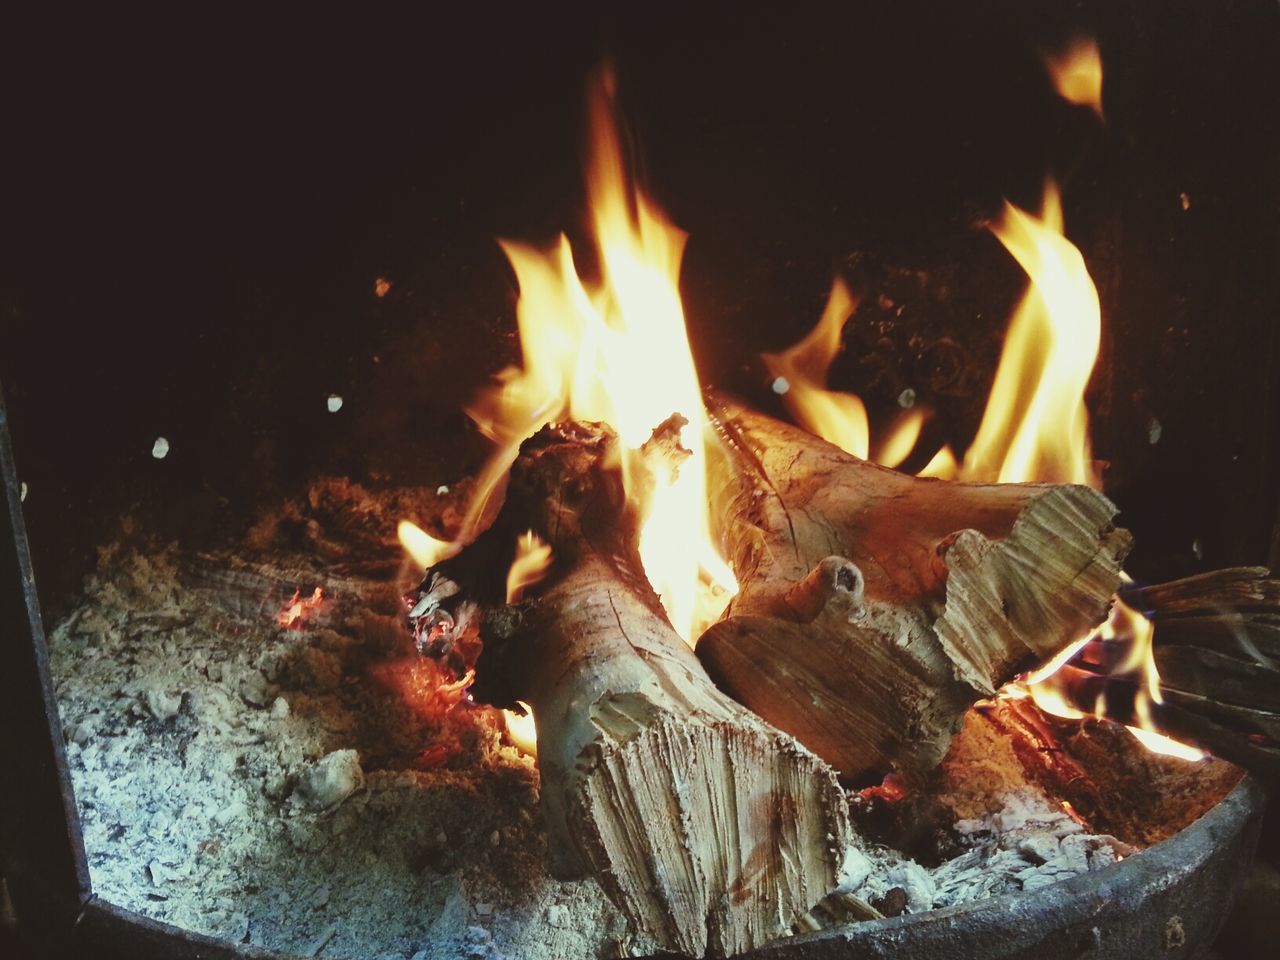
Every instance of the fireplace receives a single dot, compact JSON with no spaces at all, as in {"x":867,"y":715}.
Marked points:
{"x":286,"y":271}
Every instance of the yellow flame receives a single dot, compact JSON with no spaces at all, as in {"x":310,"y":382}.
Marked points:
{"x":1077,"y":73}
{"x":615,"y":352}
{"x":943,"y":465}
{"x":838,"y":418}
{"x":533,"y":558}
{"x":521,"y":729}
{"x":425,"y":549}
{"x":900,"y":440}
{"x":1036,"y":426}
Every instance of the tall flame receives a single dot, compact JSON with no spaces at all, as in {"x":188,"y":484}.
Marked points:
{"x":1036,"y":426}
{"x":615,"y":351}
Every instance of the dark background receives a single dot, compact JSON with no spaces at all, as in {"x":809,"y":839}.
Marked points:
{"x":195,"y":210}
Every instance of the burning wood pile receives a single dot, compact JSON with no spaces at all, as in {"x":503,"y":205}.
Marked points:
{"x":717,"y":619}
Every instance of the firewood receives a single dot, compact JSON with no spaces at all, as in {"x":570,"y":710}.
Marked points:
{"x":710,"y":830}
{"x":876,"y":607}
{"x":1216,"y":645}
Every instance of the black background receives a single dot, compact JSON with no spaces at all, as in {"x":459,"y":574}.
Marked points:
{"x":195,"y":209}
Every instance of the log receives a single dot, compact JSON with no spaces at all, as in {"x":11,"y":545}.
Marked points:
{"x":876,"y":607}
{"x":1216,"y":645}
{"x":710,"y":830}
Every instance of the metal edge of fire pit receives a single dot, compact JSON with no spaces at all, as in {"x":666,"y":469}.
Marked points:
{"x":1170,"y":899}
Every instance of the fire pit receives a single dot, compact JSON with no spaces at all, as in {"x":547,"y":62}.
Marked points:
{"x":640,"y":666}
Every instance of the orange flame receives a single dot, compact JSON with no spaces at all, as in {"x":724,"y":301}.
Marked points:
{"x":295,"y":611}
{"x":616,"y":352}
{"x":1077,"y":74}
{"x":533,"y":559}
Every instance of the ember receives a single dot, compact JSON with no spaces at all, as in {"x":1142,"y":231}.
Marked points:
{"x":294,"y":613}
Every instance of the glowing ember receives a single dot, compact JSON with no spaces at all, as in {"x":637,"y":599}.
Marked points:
{"x":293,"y":613}
{"x":615,"y":351}
{"x":521,"y":729}
{"x":533,"y":559}
{"x":1077,"y":74}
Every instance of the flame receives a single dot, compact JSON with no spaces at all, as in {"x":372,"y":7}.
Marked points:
{"x":521,"y":729}
{"x":1047,"y":688}
{"x":900,"y":440}
{"x":425,"y":549}
{"x":1077,"y":74}
{"x":295,"y":611}
{"x":1036,"y":426}
{"x":838,"y":418}
{"x":615,"y":351}
{"x":943,"y":465}
{"x":533,"y":559}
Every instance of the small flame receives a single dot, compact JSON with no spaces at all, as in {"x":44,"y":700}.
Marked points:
{"x":943,"y":465}
{"x":1036,"y":426}
{"x":533,"y":559}
{"x":425,"y":549}
{"x":295,"y":611}
{"x":1077,"y":74}
{"x":901,"y":439}
{"x":615,"y":352}
{"x":838,"y":418}
{"x":521,"y":729}
{"x":1047,"y":687}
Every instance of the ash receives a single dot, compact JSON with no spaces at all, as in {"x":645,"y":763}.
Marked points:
{"x":297,"y":788}
{"x":307,"y":788}
{"x":1029,"y":843}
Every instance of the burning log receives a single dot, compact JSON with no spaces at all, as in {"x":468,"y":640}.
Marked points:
{"x":876,"y":607}
{"x":711,"y":831}
{"x":1216,"y":646}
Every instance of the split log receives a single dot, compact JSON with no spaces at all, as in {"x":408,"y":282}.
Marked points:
{"x":710,"y":830}
{"x":876,"y":607}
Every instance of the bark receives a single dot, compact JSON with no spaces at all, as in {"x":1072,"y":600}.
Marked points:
{"x":710,"y":830}
{"x":876,"y":607}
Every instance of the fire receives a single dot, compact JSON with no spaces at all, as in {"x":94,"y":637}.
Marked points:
{"x":295,"y":611}
{"x":425,"y":549}
{"x":533,"y":559}
{"x":1036,"y":429}
{"x":838,"y":418}
{"x":1077,"y":74}
{"x":615,"y":351}
{"x":1036,"y":426}
{"x":800,"y":376}
{"x":521,"y":728}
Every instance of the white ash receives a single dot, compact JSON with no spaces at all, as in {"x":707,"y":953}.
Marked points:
{"x":1028,"y":844}
{"x":215,"y":796}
